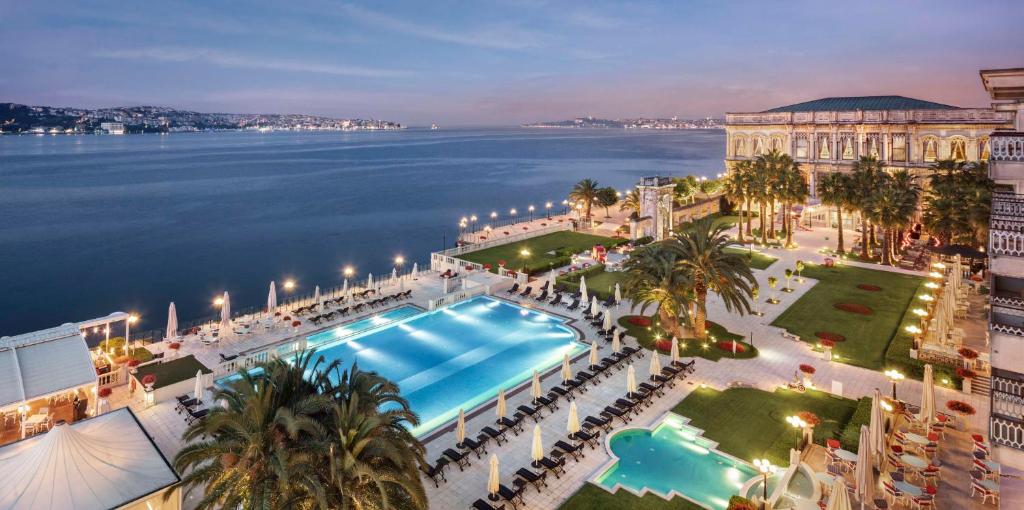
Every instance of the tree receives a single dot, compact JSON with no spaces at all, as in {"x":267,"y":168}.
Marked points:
{"x":792,"y":190}
{"x":891,"y":207}
{"x":702,"y":258}
{"x":736,"y":191}
{"x":770,"y":169}
{"x":585,"y":192}
{"x":607,"y":197}
{"x":631,"y":202}
{"x":958,"y":202}
{"x":653,"y":279}
{"x":867,"y":172}
{"x":834,"y":190}
{"x":685,"y":189}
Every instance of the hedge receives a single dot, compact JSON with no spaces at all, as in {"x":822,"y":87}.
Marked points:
{"x":850,"y":437}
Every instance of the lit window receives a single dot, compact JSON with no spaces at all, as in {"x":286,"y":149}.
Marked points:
{"x":847,"y":147}
{"x":823,"y":149}
{"x":930,"y":150}
{"x":899,"y":148}
{"x":958,"y":149}
{"x":802,"y":149}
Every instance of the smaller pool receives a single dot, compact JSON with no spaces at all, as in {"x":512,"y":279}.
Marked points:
{"x":359,"y":326}
{"x":674,"y":459}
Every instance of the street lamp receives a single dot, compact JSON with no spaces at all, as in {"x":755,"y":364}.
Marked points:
{"x":132,"y":319}
{"x":894,"y":376}
{"x":218,"y":301}
{"x":799,"y":425}
{"x":289,"y":285}
{"x":525,"y":254}
{"x":531,"y":211}
{"x":766,"y":469}
{"x":487,"y":229}
{"x":472,"y":219}
{"x":512,"y":211}
{"x":548,"y":207}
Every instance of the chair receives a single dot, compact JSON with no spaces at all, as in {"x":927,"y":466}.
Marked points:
{"x":892,"y":492}
{"x":616,"y":413}
{"x":604,"y":423}
{"x":435,"y":472}
{"x":497,"y":436}
{"x":833,"y":444}
{"x":460,"y":459}
{"x":553,"y":466}
{"x":534,"y":479}
{"x":587,"y":438}
{"x":550,"y":401}
{"x":483,"y":505}
{"x":526,"y":292}
{"x":513,"y":289}
{"x":977,"y":486}
{"x":514,"y":497}
{"x":575,"y":450}
{"x":477,"y":446}
{"x":532,"y":412}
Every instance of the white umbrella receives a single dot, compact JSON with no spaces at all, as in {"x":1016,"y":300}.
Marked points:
{"x":198,"y":390}
{"x":535,"y":390}
{"x":394,"y":275}
{"x":415,"y":269}
{"x":595,"y":307}
{"x":618,"y":294}
{"x":501,"y":408}
{"x":537,"y":448}
{"x":566,"y":369}
{"x":630,"y":379}
{"x":460,"y":428}
{"x":616,"y":344}
{"x":369,"y":281}
{"x":865,"y":475}
{"x":172,"y":322}
{"x":551,"y":280}
{"x":226,"y":330}
{"x":348,"y":298}
{"x":877,"y":426}
{"x":840,"y":499}
{"x":494,"y":477}
{"x":927,"y":415}
{"x":583,"y":289}
{"x":573,"y":426}
{"x":272,"y":298}
{"x":607,"y":319}
{"x":316,"y":298}
{"x":655,"y":367}
{"x":593,"y":354}
{"x":675,"y":350}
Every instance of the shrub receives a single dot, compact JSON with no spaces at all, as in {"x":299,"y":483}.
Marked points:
{"x":741,"y":503}
{"x":640,"y":241}
{"x":960,"y":407}
{"x":808,"y":369}
{"x":854,"y":308}
{"x":851,"y":432}
{"x":104,"y":392}
{"x":114,"y":344}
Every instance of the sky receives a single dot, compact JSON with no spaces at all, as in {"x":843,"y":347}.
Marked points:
{"x":499,"y":62}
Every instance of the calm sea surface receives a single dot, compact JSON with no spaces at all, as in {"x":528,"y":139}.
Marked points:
{"x":94,"y":224}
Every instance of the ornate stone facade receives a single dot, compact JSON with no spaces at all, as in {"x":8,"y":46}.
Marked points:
{"x":830,"y":141}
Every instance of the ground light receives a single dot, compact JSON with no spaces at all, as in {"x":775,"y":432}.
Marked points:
{"x":798,"y":424}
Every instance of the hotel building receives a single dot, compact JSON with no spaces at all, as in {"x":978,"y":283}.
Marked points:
{"x":1006,"y":261}
{"x":830,"y":134}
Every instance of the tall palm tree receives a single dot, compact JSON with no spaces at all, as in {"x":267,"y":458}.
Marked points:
{"x":586,"y":192}
{"x":652,"y":279}
{"x":793,"y":190}
{"x":834,"y":190}
{"x":736,"y":191}
{"x":867,"y":173}
{"x":773,"y":165}
{"x":745,"y":170}
{"x":631,"y":202}
{"x":958,"y":202}
{"x":759,"y":188}
{"x":702,"y":259}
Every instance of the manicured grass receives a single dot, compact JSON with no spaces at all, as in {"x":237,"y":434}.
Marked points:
{"x":867,"y":336}
{"x":898,"y":354}
{"x":592,"y":497}
{"x":690,"y":347}
{"x":546,"y":252}
{"x":599,"y":281}
{"x":173,"y":371}
{"x":751,"y":423}
{"x":757,"y":260}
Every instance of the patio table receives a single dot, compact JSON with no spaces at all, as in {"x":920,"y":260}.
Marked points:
{"x":914,"y":461}
{"x":846,"y":455}
{"x":916,"y":438}
{"x":908,"y":489}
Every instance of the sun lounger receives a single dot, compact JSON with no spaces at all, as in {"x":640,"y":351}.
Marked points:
{"x":436,"y":471}
{"x":562,"y":392}
{"x":640,"y":397}
{"x":667,"y":381}
{"x":627,"y":405}
{"x":574,"y":306}
{"x":615,"y":412}
{"x":573,"y":384}
{"x":543,"y":295}
{"x":483,"y":505}
{"x":194,"y":416}
{"x":496,"y":435}
{"x":513,"y":496}
{"x":534,"y":479}
{"x":586,"y":437}
{"x":575,"y":450}
{"x":526,"y":292}
{"x":657,"y":388}
{"x":477,"y":446}
{"x":609,"y":302}
{"x":513,"y":289}
{"x":604,"y":423}
{"x":550,"y":401}
{"x":459,"y":458}
{"x":555,"y":467}
{"x":611,"y":362}
{"x":532,"y":412}
{"x":632,"y":351}
{"x":515,"y":423}
{"x":184,"y":405}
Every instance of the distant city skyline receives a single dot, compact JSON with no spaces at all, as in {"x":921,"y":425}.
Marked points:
{"x":497,"y":62}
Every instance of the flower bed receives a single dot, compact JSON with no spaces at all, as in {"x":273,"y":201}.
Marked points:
{"x":960,"y":407}
{"x":830,"y":336}
{"x":663,"y":345}
{"x":104,"y":392}
{"x":966,"y":372}
{"x":729,"y":344}
{"x":854,"y":308}
{"x":967,"y":353}
{"x":639,"y":320}
{"x":868,"y":287}
{"x":808,"y":369}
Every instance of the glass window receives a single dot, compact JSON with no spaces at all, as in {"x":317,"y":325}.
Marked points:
{"x":958,"y":149}
{"x":758,"y":146}
{"x":984,"y":149}
{"x":802,"y":147}
{"x":899,"y":147}
{"x":823,"y":148}
{"x":740,"y":149}
{"x":847,"y":147}
{"x":873,"y":146}
{"x":930,"y":150}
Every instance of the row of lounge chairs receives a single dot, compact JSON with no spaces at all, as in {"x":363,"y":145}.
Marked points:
{"x":338,"y":300}
{"x":342,"y":312}
{"x":191,"y":407}
{"x":560,"y":293}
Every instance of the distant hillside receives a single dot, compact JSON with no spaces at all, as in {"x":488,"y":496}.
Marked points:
{"x":637,"y":123}
{"x":19,"y":118}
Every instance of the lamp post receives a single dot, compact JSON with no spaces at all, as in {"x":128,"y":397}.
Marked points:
{"x":799,"y":425}
{"x":530,"y":209}
{"x":487,"y":230}
{"x":565,"y":207}
{"x":472,"y":220}
{"x":766,"y":469}
{"x":894,"y":376}
{"x":547,"y":207}
{"x":525,"y":254}
{"x":132,"y":318}
{"x":399,"y":260}
{"x":347,"y":272}
{"x":512,"y":212}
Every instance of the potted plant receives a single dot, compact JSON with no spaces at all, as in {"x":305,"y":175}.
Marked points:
{"x":148,"y":381}
{"x":789,"y":276}
{"x":962,"y":409}
{"x":799,"y":269}
{"x":968,"y":376}
{"x":968,"y":355}
{"x":755,"y":292}
{"x":810,"y":421}
{"x":808,"y":371}
{"x":104,"y":392}
{"x":133,"y":365}
{"x":772,"y":282}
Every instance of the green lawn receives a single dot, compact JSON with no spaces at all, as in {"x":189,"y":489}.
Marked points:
{"x":646,"y":337}
{"x":173,"y":371}
{"x":599,"y":281}
{"x":751,"y":423}
{"x":867,"y":336}
{"x":757,"y":260}
{"x":592,"y":497}
{"x":546,"y":252}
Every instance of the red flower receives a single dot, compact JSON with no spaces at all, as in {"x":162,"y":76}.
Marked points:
{"x":967,"y":353}
{"x":807,"y":369}
{"x":105,"y":392}
{"x":174,"y":346}
{"x":966,"y":372}
{"x":501,"y":263}
{"x":296,"y":324}
{"x":960,"y":407}
{"x":287,"y":317}
{"x":828,"y":343}
{"x":640,"y":320}
{"x":487,"y":267}
{"x":148,"y":379}
{"x":663,"y":345}
{"x":277,"y":314}
{"x":133,"y":363}
{"x":727,"y":345}
{"x":809,"y":418}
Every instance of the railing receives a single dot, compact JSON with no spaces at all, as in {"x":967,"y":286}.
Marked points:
{"x":1007,"y":329}
{"x":1007,"y":146}
{"x":977,"y":115}
{"x":1012,"y":302}
{"x":457,"y":296}
{"x":459,"y":250}
{"x":1007,"y":432}
{"x":113,"y":378}
{"x":1003,"y":242}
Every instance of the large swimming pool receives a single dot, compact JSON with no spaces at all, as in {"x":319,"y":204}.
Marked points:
{"x":454,"y":357}
{"x":674,"y":458}
{"x":354,"y":328}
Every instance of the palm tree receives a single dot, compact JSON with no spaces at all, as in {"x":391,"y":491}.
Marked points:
{"x":773,"y":165}
{"x":702,"y":259}
{"x":607,"y":197}
{"x":745,"y":170}
{"x":864,"y":181}
{"x":834,"y":190}
{"x":736,"y":191}
{"x":793,"y":190}
{"x":958,"y":202}
{"x":631,"y":202}
{"x":652,"y":279}
{"x":759,"y":188}
{"x":585,"y":191}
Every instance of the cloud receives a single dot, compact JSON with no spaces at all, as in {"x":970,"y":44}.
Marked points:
{"x":495,"y":37}
{"x":226,"y":59}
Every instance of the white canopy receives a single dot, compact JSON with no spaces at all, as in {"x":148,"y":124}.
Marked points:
{"x":226,"y":329}
{"x":42,"y":363}
{"x":583,"y":290}
{"x":102,"y":462}
{"x":927,"y":414}
{"x":272,"y":298}
{"x":316,"y":298}
{"x":172,"y":322}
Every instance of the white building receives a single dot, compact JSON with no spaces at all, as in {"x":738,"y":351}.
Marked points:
{"x":112,"y":128}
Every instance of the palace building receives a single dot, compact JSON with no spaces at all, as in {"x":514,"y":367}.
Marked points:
{"x":830,"y":134}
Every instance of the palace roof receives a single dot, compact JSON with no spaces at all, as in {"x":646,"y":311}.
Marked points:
{"x":845,"y":104}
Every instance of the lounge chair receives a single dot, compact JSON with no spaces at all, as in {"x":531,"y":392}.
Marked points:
{"x":598,"y":319}
{"x":532,"y":412}
{"x":513,"y":289}
{"x":573,"y":384}
{"x":672,"y":371}
{"x":610,"y":362}
{"x":513,"y":496}
{"x":534,"y":479}
{"x":667,"y":381}
{"x":550,"y":401}
{"x":586,"y":437}
{"x":459,"y":458}
{"x":543,"y":295}
{"x":496,"y":435}
{"x":562,"y":392}
{"x":627,"y":404}
{"x":477,"y":446}
{"x":603,"y":423}
{"x":555,"y":467}
{"x":515,"y":423}
{"x":194,"y":416}
{"x":567,"y":449}
{"x":609,"y":302}
{"x":483,"y":505}
{"x":632,"y":351}
{"x":574,"y":306}
{"x":435,"y":472}
{"x":556,"y":300}
{"x":615,"y":412}
{"x":658,"y":389}
{"x":185,"y":405}
{"x":526,"y":292}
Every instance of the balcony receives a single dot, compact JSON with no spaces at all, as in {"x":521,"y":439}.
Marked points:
{"x":1006,"y":146}
{"x":1007,"y":320}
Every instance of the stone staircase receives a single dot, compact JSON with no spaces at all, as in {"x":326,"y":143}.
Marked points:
{"x":981,"y":385}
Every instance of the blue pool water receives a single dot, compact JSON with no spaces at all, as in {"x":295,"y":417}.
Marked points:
{"x":455,"y":357}
{"x":674,"y":457}
{"x":347,"y":330}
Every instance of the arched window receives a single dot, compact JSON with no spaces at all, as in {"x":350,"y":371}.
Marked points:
{"x":847,"y":147}
{"x":777,"y":143}
{"x":958,"y":149}
{"x":873,"y":147}
{"x":984,"y":149}
{"x":739,"y":146}
{"x":931,"y":149}
{"x":899,"y":148}
{"x":823,"y":149}
{"x":758,"y":146}
{"x":802,"y":147}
